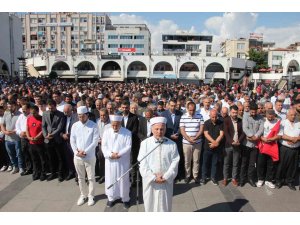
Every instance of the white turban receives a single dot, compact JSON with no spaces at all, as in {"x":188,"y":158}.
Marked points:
{"x":82,"y":110}
{"x":117,"y":118}
{"x":158,"y":119}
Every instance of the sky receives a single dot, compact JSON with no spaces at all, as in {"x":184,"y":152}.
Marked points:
{"x":281,"y":28}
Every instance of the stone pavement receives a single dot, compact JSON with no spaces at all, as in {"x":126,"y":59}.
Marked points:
{"x":21,"y":194}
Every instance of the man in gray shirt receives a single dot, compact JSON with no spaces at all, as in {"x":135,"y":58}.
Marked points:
{"x":12,"y":140}
{"x":253,"y":127}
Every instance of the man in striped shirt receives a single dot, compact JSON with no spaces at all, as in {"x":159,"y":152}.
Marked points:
{"x":191,"y":128}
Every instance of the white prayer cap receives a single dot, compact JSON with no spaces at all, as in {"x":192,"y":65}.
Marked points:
{"x":117,"y":118}
{"x":82,"y":110}
{"x":158,"y":119}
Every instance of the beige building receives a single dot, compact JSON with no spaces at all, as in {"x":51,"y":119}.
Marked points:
{"x":63,"y":33}
{"x":237,"y":48}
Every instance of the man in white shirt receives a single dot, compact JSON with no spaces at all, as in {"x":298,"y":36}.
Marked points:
{"x":59,"y":102}
{"x":116,"y":147}
{"x":205,"y":110}
{"x":159,"y":168}
{"x":278,"y":110}
{"x":290,"y":143}
{"x":84,"y":140}
{"x":21,"y":132}
{"x":265,"y":165}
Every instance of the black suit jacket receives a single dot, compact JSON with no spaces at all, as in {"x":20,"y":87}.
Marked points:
{"x":132,"y":124}
{"x":55,"y":128}
{"x":74,"y":119}
{"x":172,"y":128}
{"x":142,"y":133}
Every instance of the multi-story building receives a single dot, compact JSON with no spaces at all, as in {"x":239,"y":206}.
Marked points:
{"x":237,"y":48}
{"x":275,"y":57}
{"x":63,"y":33}
{"x":187,"y":44}
{"x":268,"y":46}
{"x":10,"y":43}
{"x":294,"y":47}
{"x":127,"y":39}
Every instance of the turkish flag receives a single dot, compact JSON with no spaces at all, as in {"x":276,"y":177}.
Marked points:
{"x":271,"y":148}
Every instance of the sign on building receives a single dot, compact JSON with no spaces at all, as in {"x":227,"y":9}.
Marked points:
{"x":126,"y":49}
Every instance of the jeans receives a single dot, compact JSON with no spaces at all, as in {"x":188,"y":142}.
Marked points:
{"x":231,"y":159}
{"x":213,"y":156}
{"x":13,"y":149}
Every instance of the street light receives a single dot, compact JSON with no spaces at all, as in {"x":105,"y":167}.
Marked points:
{"x":76,"y":74}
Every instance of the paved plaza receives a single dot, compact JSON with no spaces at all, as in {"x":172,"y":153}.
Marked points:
{"x":21,"y":194}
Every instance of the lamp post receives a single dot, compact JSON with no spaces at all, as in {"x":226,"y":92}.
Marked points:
{"x":22,"y":69}
{"x":76,"y":74}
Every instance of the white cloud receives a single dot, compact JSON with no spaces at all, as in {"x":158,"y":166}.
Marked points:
{"x":283,"y":36}
{"x":156,"y":29}
{"x":230,"y":25}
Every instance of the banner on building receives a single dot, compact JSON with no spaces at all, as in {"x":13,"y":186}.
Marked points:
{"x":257,"y":36}
{"x":126,"y":50}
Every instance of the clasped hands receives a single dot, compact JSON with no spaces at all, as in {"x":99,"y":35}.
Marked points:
{"x":81,"y":153}
{"x":159,"y":178}
{"x":213,"y":144}
{"x":115,"y":155}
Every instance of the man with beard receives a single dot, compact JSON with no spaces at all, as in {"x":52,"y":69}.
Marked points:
{"x":53,"y":124}
{"x":131,"y":123}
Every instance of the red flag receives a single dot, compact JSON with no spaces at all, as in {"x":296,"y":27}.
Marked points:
{"x":271,"y":149}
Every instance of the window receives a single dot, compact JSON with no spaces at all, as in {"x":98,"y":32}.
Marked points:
{"x":41,"y":29}
{"x":41,"y":20}
{"x":82,"y":37}
{"x":33,"y":46}
{"x":33,"y":37}
{"x":83,"y":28}
{"x":139,"y":46}
{"x":241,"y":46}
{"x":138,"y":53}
{"x":74,"y":45}
{"x":125,"y":37}
{"x":74,"y":37}
{"x":52,"y":46}
{"x":125,"y":45}
{"x":63,"y":37}
{"x":75,"y":20}
{"x":208,"y":48}
{"x":52,"y":37}
{"x":52,"y":20}
{"x":277,"y":57}
{"x":240,"y":55}
{"x":63,"y":45}
{"x":33,"y":29}
{"x":139,"y":37}
{"x":33,"y":20}
{"x":112,"y":45}
{"x":75,"y":28}
{"x":53,"y":28}
{"x":83,"y":20}
{"x":112,"y":36}
{"x":63,"y":20}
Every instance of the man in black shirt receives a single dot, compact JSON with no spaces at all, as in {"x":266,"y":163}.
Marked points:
{"x":213,"y":145}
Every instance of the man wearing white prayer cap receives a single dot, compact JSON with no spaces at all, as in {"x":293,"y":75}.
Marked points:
{"x":116,"y":147}
{"x":84,"y":140}
{"x":159,"y":168}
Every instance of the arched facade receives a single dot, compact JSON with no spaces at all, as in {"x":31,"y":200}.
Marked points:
{"x":137,"y":69}
{"x":293,"y":66}
{"x":4,"y":70}
{"x":60,"y":66}
{"x":214,"y":70}
{"x":111,"y":69}
{"x":189,"y":70}
{"x":85,"y":65}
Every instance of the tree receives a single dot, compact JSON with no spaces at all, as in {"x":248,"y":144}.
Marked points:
{"x":260,"y":58}
{"x":53,"y":75}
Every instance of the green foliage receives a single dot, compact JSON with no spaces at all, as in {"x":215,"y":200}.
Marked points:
{"x":53,"y":75}
{"x":260,"y":57}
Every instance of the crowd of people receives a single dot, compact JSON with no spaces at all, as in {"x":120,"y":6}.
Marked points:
{"x":65,"y":130}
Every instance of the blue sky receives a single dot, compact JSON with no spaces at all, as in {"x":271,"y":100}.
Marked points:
{"x":186,"y":20}
{"x":282,"y":28}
